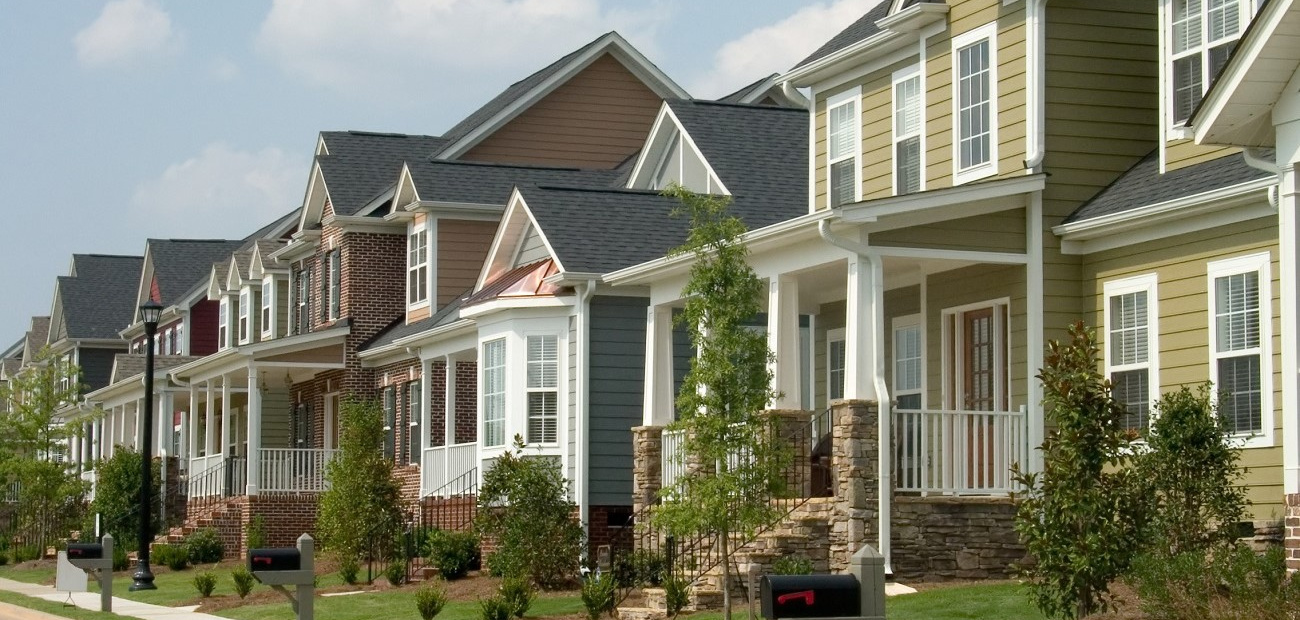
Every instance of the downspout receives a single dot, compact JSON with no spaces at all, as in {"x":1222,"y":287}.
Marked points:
{"x":1035,"y":88}
{"x":884,"y":468}
{"x":584,"y":402}
{"x":1255,"y":159}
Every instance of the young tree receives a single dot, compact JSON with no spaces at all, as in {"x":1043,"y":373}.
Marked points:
{"x":1081,"y":518}
{"x":727,"y":387}
{"x":32,"y":442}
{"x":117,"y":496}
{"x":360,"y":511}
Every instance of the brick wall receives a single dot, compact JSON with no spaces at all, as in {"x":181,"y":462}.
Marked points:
{"x":1292,"y":525}
{"x":285,"y":517}
{"x":466,"y":402}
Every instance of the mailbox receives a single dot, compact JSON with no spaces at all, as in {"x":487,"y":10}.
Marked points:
{"x":266,"y":560}
{"x":85,"y":551}
{"x":289,"y":567}
{"x":809,"y":596}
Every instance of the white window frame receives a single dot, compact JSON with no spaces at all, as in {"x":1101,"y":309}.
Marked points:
{"x":1246,"y":10}
{"x":989,"y":33}
{"x":268,"y":308}
{"x":1148,"y":284}
{"x":852,"y":96}
{"x":245,"y":315}
{"x":1260,"y":263}
{"x":834,"y":336}
{"x":181,"y":345}
{"x":911,"y":321}
{"x":491,"y":416}
{"x":334,"y":265}
{"x":417,"y":273}
{"x":223,"y":322}
{"x":414,"y":415}
{"x":905,"y":75}
{"x":530,"y":389}
{"x":953,"y":342}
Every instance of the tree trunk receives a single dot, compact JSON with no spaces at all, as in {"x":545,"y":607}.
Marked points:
{"x":725,"y":539}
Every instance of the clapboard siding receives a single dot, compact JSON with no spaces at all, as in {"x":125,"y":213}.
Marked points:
{"x":97,"y":366}
{"x":276,"y":429}
{"x":616,"y":385}
{"x":532,"y":249}
{"x":462,"y":247}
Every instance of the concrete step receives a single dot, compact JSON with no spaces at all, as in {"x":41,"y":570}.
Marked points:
{"x":641,"y":613}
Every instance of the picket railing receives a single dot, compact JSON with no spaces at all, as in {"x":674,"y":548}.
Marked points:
{"x":294,"y":470}
{"x":216,"y":476}
{"x":958,"y":452}
{"x":443,"y":464}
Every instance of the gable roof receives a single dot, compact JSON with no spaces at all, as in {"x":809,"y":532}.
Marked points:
{"x":99,"y":300}
{"x":484,"y":183}
{"x":360,"y":165}
{"x":859,"y":30}
{"x":1143,"y":184}
{"x":278,"y":228}
{"x":131,"y":365}
{"x":399,"y":328}
{"x":522,"y":94}
{"x":38,"y":335}
{"x":762,"y":88}
{"x":178,"y":264}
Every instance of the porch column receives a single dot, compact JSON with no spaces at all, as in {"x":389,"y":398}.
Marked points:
{"x":1288,"y":237}
{"x":783,"y":341}
{"x":449,"y":402}
{"x":864,"y":322}
{"x":86,"y":430}
{"x":97,"y":440}
{"x":209,"y":445}
{"x":254,"y":416}
{"x":106,"y":438}
{"x":658,"y":407}
{"x":426,"y":416}
{"x":192,"y":425}
{"x":166,"y":418}
{"x":225,"y":413}
{"x":137,"y":431}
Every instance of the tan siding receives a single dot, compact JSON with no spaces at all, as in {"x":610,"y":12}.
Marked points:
{"x":596,"y":120}
{"x":998,"y":232}
{"x":462,"y":247}
{"x":418,"y":314}
{"x":1180,"y":267}
{"x":959,"y":287}
{"x":1183,"y":153}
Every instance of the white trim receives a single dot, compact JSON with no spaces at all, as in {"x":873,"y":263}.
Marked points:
{"x":850,"y":96}
{"x":483,"y":368}
{"x":1176,"y":129}
{"x":223,"y":323}
{"x":987,"y":33}
{"x":420,"y":269}
{"x":244,"y":324}
{"x":1260,"y":263}
{"x":917,"y":321}
{"x":900,"y":76}
{"x":267,"y":309}
{"x":1147,"y":284}
{"x":951,"y":332}
{"x":839,"y":334}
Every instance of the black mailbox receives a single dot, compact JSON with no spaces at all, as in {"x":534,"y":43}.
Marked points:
{"x":273,"y":560}
{"x":809,"y":596}
{"x":85,"y":551}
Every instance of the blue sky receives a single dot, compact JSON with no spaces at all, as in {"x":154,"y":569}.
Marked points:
{"x":130,"y":119}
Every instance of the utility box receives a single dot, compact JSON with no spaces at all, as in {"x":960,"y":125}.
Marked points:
{"x":809,"y":596}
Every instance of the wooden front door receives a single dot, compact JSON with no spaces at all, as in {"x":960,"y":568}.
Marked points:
{"x":979,"y":375}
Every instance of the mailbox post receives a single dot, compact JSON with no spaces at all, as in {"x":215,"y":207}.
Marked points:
{"x":97,"y":560}
{"x":289,"y":567}
{"x":859,"y":595}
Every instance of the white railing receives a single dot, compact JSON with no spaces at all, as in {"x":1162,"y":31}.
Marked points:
{"x":293,"y":469}
{"x":444,"y":464}
{"x":958,"y":452}
{"x":89,"y":477}
{"x":206,"y":476}
{"x":672,"y":465}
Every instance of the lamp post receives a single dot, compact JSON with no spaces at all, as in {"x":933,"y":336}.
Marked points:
{"x":149,"y":312}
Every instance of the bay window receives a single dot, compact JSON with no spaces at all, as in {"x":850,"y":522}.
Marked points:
{"x":494,"y":393}
{"x":542,"y":389}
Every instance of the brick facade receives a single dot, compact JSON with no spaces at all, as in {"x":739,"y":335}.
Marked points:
{"x":285,"y":517}
{"x":1292,"y":524}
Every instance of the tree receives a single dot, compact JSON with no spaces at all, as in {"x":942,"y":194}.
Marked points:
{"x":117,"y":496}
{"x":360,"y":511}
{"x":1081,"y":518}
{"x":524,"y":506}
{"x":727,"y":387}
{"x":32,"y":442}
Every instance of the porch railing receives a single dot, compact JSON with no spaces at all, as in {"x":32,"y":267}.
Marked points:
{"x":90,"y":478}
{"x":441,"y":465}
{"x":216,"y":476}
{"x":958,"y":452}
{"x":294,"y":470}
{"x":671,"y":466}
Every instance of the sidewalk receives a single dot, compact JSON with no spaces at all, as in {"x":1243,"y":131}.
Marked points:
{"x":90,"y":600}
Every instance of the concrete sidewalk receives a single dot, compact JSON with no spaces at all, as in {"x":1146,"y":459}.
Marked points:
{"x":90,"y":600}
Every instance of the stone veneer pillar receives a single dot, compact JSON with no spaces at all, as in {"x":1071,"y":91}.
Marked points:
{"x":854,"y":449}
{"x":1292,"y":532}
{"x":647,"y":451}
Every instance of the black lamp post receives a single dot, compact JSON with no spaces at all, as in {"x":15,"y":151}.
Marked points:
{"x":143,"y":576}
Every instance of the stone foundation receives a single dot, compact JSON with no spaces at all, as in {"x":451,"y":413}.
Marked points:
{"x":945,"y":538}
{"x":1291,"y":542}
{"x":854,"y":465}
{"x":647,"y":466}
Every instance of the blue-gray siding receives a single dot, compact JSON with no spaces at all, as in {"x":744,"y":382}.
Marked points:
{"x":97,"y":366}
{"x":617,"y":382}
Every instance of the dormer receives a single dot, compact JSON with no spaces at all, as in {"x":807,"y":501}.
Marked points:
{"x":273,"y":297}
{"x":672,"y":156}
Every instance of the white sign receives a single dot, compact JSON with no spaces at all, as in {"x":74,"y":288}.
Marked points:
{"x":69,"y":578}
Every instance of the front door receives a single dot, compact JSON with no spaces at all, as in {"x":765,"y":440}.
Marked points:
{"x":978,"y":346}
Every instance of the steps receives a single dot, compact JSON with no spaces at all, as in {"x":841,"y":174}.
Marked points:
{"x":225,"y":516}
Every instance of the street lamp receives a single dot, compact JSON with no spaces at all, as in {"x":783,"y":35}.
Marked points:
{"x":149,"y":312}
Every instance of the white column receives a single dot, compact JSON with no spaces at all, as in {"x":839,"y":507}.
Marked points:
{"x":209,"y":443}
{"x":863,"y":328}
{"x":426,"y":410}
{"x":658,"y":394}
{"x":106,"y":439}
{"x":783,"y":340}
{"x":254,"y":430}
{"x":191,"y":433}
{"x":1034,"y":329}
{"x":137,"y":430}
{"x":97,"y":439}
{"x":449,"y":407}
{"x":87,"y":431}
{"x":1289,"y":270}
{"x":166,"y":419}
{"x":225,"y":414}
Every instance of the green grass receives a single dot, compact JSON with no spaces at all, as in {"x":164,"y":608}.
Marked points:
{"x":51,"y":607}
{"x":1006,"y":601}
{"x":42,"y":574}
{"x":394,"y":605}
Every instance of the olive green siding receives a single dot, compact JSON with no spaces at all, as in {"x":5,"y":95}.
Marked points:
{"x":1179,"y":264}
{"x":1183,"y":153}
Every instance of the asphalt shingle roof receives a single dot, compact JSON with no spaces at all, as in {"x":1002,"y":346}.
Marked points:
{"x":857,"y":31}
{"x":180,"y":263}
{"x":1143,"y":185}
{"x":37,"y":337}
{"x":480,"y":183}
{"x":262,"y":232}
{"x":399,"y":328}
{"x":100,"y":300}
{"x":599,"y":231}
{"x":746,"y":90}
{"x":361,"y":165}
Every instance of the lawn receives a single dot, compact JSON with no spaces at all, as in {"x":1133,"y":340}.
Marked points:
{"x":394,"y":605}
{"x":57,"y":609}
{"x":1002,"y":600}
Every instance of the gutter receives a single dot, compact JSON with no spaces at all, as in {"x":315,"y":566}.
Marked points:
{"x":1035,"y":76}
{"x":1255,"y":159}
{"x":584,"y":400}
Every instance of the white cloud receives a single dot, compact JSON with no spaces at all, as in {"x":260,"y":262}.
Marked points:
{"x":776,"y":48}
{"x":223,"y":69}
{"x":221,"y":192}
{"x":402,"y":48}
{"x":126,"y":31}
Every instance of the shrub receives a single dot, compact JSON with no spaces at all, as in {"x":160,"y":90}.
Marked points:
{"x":243,"y":581}
{"x":359,"y":512}
{"x":120,"y":562}
{"x":204,"y":547}
{"x":175,"y":558}
{"x":677,"y":593}
{"x":348,"y":569}
{"x":599,"y":595}
{"x":395,"y":573}
{"x":205,"y":582}
{"x":518,"y":595}
{"x":452,"y":552}
{"x":524,"y":505}
{"x":117,"y":496}
{"x":639,"y":568}
{"x":4,"y":558}
{"x":429,"y":600}
{"x":493,"y":609}
{"x":255,"y":533}
{"x":792,"y":565}
{"x":1221,"y":583}
{"x":24,"y":553}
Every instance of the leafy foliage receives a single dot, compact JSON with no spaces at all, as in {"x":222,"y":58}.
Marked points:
{"x":599,"y":595}
{"x":348,"y":569}
{"x":454,"y":553}
{"x":726,"y":388}
{"x":642,"y":567}
{"x":359,"y":512}
{"x":524,"y":505}
{"x":792,"y":565}
{"x":677,"y":594}
{"x":205,"y":582}
{"x":172,"y":556}
{"x":117,"y":496}
{"x":518,"y":594}
{"x":493,"y":609}
{"x":243,"y":579}
{"x":1227,"y":582}
{"x":430,"y":599}
{"x":204,"y":546}
{"x":1081,"y":517}
{"x":395,"y":573}
{"x":255,"y":533}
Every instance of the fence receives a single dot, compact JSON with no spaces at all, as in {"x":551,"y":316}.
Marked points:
{"x":958,"y":452}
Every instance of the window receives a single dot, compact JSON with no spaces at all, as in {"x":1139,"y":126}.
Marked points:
{"x":245,"y":309}
{"x":908,"y":368}
{"x":417,"y":267}
{"x":842,"y":129}
{"x":1240,"y":291}
{"x":302,"y":301}
{"x":180,"y":339}
{"x":834,"y":364}
{"x":543,"y":371}
{"x":390,"y":423}
{"x":975,"y":352}
{"x":494,"y":393}
{"x":335,"y":283}
{"x":1130,"y":318}
{"x":223,"y":322}
{"x":974,"y":101}
{"x":268,"y":286}
{"x":413,"y":418}
{"x":908,"y":111}
{"x":1202,"y":34}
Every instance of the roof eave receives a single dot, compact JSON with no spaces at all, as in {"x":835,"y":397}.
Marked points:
{"x":895,"y":30}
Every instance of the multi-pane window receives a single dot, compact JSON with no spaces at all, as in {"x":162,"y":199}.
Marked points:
{"x":1130,"y":317}
{"x":268,"y":286}
{"x":842,"y":148}
{"x":835,"y":364}
{"x":1239,"y":341}
{"x":542,"y":389}
{"x":907,"y":131}
{"x":223,"y":322}
{"x":390,"y":423}
{"x":335,"y":283}
{"x":413,"y":412}
{"x":907,"y":364}
{"x":180,"y":339}
{"x":417,"y":266}
{"x":302,"y":302}
{"x":245,"y":312}
{"x":494,"y":393}
{"x":1202,"y":34}
{"x":974,"y":100}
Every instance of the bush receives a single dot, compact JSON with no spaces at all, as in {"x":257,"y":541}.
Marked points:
{"x":599,"y":595}
{"x":204,"y":547}
{"x":24,"y":553}
{"x":255,"y":533}
{"x":395,"y":573}
{"x":524,"y":505}
{"x":493,"y":609}
{"x":518,"y":595}
{"x":205,"y":582}
{"x":348,"y":569}
{"x":120,"y":562}
{"x":792,"y":565}
{"x":677,"y":593}
{"x":4,"y":558}
{"x":243,"y":581}
{"x":117,"y":496}
{"x":454,"y":553}
{"x":639,"y":568}
{"x":360,"y":511}
{"x":175,"y":558}
{"x":429,"y":600}
{"x":1222,"y":583}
